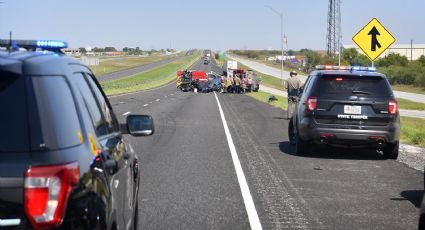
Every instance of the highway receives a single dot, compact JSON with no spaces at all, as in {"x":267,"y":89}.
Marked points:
{"x":139,"y":69}
{"x":190,"y":177}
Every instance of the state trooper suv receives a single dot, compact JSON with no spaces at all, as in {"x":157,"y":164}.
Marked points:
{"x":346,"y":107}
{"x":64,"y":161}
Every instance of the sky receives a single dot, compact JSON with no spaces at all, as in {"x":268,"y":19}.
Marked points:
{"x":216,"y":24}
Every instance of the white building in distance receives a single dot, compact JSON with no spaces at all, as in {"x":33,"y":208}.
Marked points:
{"x":412,"y":52}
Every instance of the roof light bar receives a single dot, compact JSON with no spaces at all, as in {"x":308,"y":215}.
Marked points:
{"x":51,"y":45}
{"x":351,"y":68}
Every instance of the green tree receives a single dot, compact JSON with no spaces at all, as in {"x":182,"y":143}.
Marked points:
{"x":312,"y":59}
{"x":393,"y":59}
{"x":110,"y":49}
{"x":421,"y":60}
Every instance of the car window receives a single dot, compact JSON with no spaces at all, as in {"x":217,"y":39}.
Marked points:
{"x":91,"y":104}
{"x":54,"y":121}
{"x":13,"y":115}
{"x":347,"y":84}
{"x":104,"y":106}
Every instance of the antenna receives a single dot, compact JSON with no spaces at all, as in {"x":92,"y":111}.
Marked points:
{"x":333,"y":35}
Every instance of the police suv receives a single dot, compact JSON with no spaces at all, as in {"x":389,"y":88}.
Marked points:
{"x":346,"y":107}
{"x":64,"y":161}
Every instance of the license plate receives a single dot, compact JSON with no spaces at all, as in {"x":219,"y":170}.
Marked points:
{"x":352,"y":109}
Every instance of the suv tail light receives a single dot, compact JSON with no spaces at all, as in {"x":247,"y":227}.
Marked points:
{"x":393,"y":107}
{"x":47,"y":190}
{"x":311,"y":103}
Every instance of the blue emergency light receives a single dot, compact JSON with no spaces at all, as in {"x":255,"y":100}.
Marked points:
{"x":350,"y":68}
{"x":49,"y":45}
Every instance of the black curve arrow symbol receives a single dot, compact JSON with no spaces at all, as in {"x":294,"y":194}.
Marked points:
{"x":374,"y":32}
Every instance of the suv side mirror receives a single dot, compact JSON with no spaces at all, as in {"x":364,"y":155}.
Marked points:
{"x":140,"y":125}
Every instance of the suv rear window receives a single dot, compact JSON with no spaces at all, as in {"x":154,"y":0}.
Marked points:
{"x":13,"y":116}
{"x":53,"y":114}
{"x":351,"y":84}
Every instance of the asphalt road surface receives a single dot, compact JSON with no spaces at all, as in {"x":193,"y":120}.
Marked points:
{"x":189,"y":179}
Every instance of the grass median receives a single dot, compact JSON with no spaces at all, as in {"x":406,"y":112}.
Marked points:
{"x":149,"y":79}
{"x":121,"y":63}
{"x":412,"y":129}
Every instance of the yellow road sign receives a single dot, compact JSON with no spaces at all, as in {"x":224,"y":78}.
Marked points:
{"x":373,"y":39}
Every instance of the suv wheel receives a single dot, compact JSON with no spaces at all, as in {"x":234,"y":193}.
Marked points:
{"x":299,"y":145}
{"x":391,"y":151}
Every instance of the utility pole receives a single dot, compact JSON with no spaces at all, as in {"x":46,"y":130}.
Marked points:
{"x":280,"y":14}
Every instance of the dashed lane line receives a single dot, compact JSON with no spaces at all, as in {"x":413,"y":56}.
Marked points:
{"x":126,"y":113}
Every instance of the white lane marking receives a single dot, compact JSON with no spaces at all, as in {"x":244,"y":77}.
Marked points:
{"x":253,"y":218}
{"x":157,"y":99}
{"x":125,"y":114}
{"x":145,"y":105}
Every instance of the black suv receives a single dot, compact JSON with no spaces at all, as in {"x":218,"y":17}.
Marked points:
{"x":346,"y":107}
{"x":64,"y":161}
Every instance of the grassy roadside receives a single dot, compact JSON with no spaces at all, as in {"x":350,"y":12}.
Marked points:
{"x":409,"y":89}
{"x":149,"y":79}
{"x":412,"y":129}
{"x":121,"y":63}
{"x":408,"y":104}
{"x":282,"y":102}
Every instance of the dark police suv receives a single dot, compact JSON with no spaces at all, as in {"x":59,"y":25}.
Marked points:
{"x":346,"y":107}
{"x":64,"y":161}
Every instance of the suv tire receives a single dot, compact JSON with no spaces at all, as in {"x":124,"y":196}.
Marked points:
{"x":300,"y":146}
{"x":391,"y":151}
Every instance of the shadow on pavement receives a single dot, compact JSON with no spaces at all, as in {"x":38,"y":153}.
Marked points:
{"x":328,"y":152}
{"x":414,"y":196}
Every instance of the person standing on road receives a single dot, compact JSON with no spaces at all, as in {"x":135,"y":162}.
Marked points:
{"x":229,"y":83}
{"x":237,"y":84}
{"x":223,"y":83}
{"x":293,"y":86}
{"x":243,"y":84}
{"x":249,"y":82}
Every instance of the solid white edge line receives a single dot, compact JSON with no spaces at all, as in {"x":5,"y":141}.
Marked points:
{"x":253,"y":218}
{"x":145,"y":105}
{"x":125,"y":114}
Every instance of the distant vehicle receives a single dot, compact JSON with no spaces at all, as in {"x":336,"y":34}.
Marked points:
{"x":189,"y":80}
{"x":346,"y":106}
{"x":184,"y":81}
{"x":256,"y":81}
{"x":64,"y":161}
{"x":230,"y":65}
{"x":206,"y":61}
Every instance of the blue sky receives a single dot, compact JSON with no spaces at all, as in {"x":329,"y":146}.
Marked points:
{"x":218,"y":24}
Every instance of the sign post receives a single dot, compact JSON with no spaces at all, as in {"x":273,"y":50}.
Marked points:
{"x":373,"y":39}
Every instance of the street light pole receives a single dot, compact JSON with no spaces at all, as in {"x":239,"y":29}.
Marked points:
{"x":280,"y":14}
